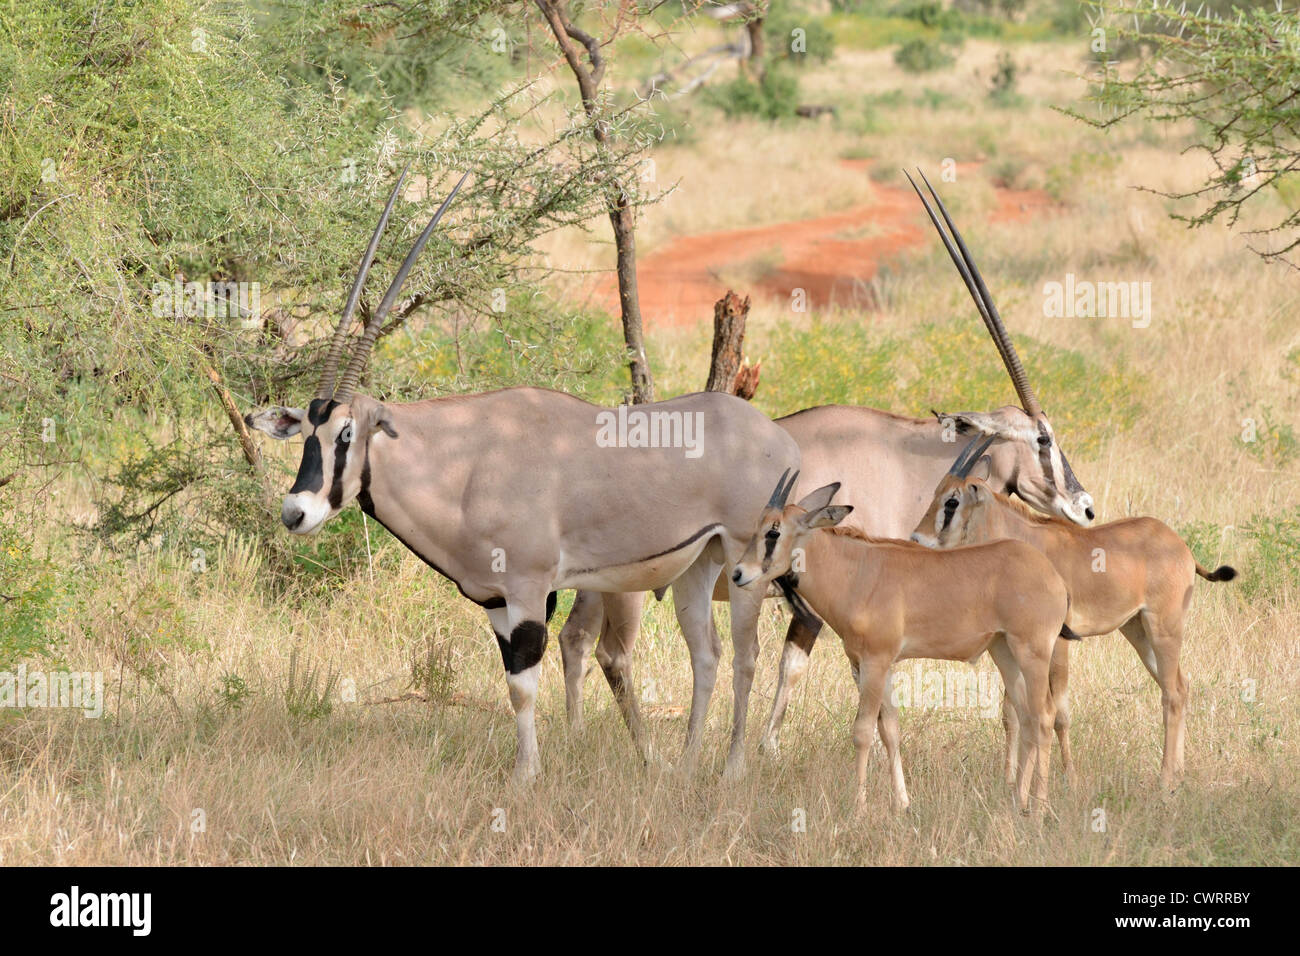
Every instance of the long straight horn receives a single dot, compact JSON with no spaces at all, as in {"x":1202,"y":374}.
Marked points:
{"x":332,"y":357}
{"x":352,"y":374}
{"x":967,"y":459}
{"x":979,"y":292}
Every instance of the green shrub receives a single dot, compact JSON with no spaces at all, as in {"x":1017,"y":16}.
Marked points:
{"x":923,"y":55}
{"x":775,"y":96}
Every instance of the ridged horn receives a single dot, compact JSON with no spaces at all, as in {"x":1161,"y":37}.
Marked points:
{"x":357,"y":364}
{"x":979,"y":292}
{"x":335,"y":352}
{"x":969,"y":456}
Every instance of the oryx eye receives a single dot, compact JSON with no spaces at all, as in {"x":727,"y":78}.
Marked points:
{"x":1044,"y":440}
{"x":345,"y":436}
{"x":773,"y":533}
{"x":951,"y":504}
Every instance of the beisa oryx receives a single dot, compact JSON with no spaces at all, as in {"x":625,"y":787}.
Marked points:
{"x":888,"y":465}
{"x":890,"y":600}
{"x":517,"y":493}
{"x":1134,"y":574}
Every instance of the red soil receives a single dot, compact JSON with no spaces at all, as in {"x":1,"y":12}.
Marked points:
{"x":679,"y":282}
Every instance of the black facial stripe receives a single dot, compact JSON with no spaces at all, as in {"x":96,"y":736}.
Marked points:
{"x":311,"y":474}
{"x":948,"y":512}
{"x":340,"y":461}
{"x":1045,"y":457}
{"x":318,"y":412}
{"x":1071,"y":483}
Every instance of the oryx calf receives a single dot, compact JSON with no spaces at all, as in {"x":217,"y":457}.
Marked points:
{"x":890,"y":600}
{"x":1135,"y":574}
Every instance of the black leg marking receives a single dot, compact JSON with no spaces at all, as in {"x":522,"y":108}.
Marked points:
{"x":527,"y":642}
{"x":550,"y":606}
{"x":506,"y":656}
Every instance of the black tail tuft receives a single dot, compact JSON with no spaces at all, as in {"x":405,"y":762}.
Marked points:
{"x":1068,"y":634}
{"x":1224,"y":572}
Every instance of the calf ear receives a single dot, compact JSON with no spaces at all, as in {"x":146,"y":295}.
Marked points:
{"x":816,"y":500}
{"x":825,"y":517}
{"x":277,"y":421}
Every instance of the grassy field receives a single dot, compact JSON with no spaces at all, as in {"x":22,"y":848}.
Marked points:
{"x":360,"y":716}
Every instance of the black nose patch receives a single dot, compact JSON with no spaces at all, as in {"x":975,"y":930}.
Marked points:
{"x":311,"y":473}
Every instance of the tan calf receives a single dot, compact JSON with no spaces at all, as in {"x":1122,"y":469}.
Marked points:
{"x":890,"y":600}
{"x":1135,"y":574}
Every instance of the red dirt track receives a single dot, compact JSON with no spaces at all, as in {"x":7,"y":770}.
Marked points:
{"x":680,"y":281}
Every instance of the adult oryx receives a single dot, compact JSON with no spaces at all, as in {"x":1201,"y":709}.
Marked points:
{"x":515,"y":494}
{"x":889,"y":465}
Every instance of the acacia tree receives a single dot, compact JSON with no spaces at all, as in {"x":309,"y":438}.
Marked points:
{"x":1236,"y":75}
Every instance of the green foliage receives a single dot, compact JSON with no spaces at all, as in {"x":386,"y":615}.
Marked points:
{"x":1004,"y":80}
{"x":1274,"y":443}
{"x":233,"y":691}
{"x":834,"y":361}
{"x":923,"y":55}
{"x":30,"y":594}
{"x":308,"y":694}
{"x":774,"y":97}
{"x":1275,"y":566}
{"x":794,"y":35}
{"x":158,"y":140}
{"x":1234,"y":76}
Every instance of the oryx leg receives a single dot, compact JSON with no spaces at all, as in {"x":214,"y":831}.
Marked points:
{"x":1160,"y":646}
{"x":622,"y":619}
{"x":1058,"y":681}
{"x":1033,"y":655}
{"x":520,"y":629}
{"x":693,"y":603}
{"x":1011,"y":733}
{"x":799,"y":640}
{"x":577,"y":638}
{"x":745,"y":608}
{"x":873,"y":682}
{"x":888,"y":724}
{"x":1014,"y":707}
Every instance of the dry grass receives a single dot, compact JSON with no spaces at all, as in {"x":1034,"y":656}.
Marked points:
{"x":418,"y":782}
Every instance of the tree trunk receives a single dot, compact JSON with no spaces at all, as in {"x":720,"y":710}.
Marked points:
{"x":727,"y":370}
{"x":622,"y":213}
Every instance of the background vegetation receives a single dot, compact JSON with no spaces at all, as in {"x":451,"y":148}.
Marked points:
{"x":330,"y":700}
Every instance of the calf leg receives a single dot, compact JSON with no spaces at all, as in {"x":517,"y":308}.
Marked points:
{"x":872,"y":684}
{"x":1058,"y":679}
{"x":888,"y":725}
{"x":1159,"y":647}
{"x":799,"y":639}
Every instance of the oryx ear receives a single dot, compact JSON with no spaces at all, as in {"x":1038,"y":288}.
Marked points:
{"x":816,"y":500}
{"x":970,"y":423}
{"x":825,"y":517}
{"x":1006,"y":423}
{"x":982,"y":468}
{"x":372,"y":416}
{"x":277,"y":421}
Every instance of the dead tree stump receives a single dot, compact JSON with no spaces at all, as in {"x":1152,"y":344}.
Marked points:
{"x":728,"y":371}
